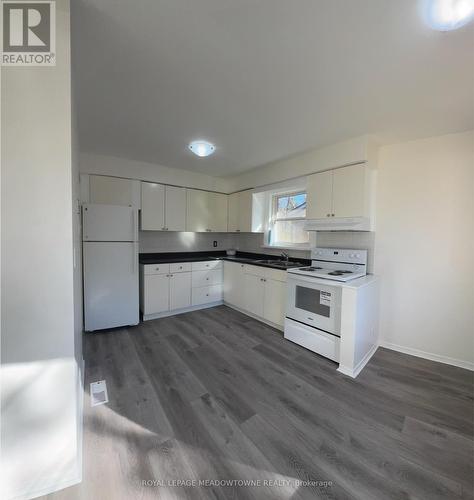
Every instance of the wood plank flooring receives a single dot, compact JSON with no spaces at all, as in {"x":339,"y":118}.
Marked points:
{"x":214,"y":396}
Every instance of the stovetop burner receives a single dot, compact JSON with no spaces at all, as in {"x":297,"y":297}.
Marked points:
{"x":310,"y":268}
{"x":339,"y":273}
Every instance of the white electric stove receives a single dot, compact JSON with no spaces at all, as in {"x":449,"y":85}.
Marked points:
{"x":313,"y":309}
{"x":335,"y":264}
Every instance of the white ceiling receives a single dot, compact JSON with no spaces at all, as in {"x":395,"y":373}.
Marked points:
{"x":262,"y":79}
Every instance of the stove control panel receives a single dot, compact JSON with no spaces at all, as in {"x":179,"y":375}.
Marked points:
{"x":343,"y":255}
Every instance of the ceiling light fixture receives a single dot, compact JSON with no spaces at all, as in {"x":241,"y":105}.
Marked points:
{"x":201,"y":148}
{"x":447,"y":15}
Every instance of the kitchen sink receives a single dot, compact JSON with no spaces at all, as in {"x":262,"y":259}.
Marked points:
{"x":280,"y":263}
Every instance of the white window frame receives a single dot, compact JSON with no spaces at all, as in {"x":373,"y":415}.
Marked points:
{"x":271,"y":219}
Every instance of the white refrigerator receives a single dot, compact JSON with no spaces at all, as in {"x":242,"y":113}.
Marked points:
{"x":110,"y":259}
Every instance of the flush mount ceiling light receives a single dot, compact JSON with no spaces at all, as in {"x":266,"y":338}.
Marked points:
{"x":202,"y":148}
{"x":447,"y":15}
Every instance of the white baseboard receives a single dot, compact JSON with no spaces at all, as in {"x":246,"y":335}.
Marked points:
{"x":428,"y":355}
{"x":353,"y":372}
{"x":165,"y":314}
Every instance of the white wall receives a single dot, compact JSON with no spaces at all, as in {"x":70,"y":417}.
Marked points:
{"x":424,"y":247}
{"x":120,"y":167}
{"x":39,"y":371}
{"x":352,"y":151}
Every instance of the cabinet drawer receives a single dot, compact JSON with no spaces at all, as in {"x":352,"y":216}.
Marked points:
{"x":206,"y":294}
{"x":205,"y":278}
{"x":208,"y":264}
{"x":156,"y":268}
{"x":275,"y":274}
{"x":315,"y":340}
{"x":180,"y":267}
{"x":255,"y":270}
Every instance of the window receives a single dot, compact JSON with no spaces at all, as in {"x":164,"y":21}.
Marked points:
{"x":288,"y":215}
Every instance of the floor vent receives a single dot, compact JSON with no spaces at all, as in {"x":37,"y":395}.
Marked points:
{"x":99,"y":393}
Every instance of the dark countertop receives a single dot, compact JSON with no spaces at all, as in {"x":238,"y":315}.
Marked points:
{"x":244,"y":257}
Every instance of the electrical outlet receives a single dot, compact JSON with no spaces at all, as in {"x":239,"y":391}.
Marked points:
{"x":214,"y":243}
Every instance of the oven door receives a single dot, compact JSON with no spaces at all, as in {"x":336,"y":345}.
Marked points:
{"x":314,"y":304}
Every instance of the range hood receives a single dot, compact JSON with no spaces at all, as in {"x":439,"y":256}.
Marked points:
{"x":339,"y":224}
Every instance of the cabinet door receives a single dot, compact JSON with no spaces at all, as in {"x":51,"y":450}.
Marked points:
{"x":233,"y":220}
{"x":198,"y":215}
{"x":349,"y":191}
{"x":156,"y":293}
{"x":275,"y":301}
{"x":153,"y":207}
{"x":105,"y":190}
{"x":319,"y":195}
{"x":233,"y":283}
{"x":254,"y":294}
{"x":180,"y":290}
{"x":175,"y":208}
{"x":239,"y":286}
{"x":218,"y":212}
{"x":245,"y":211}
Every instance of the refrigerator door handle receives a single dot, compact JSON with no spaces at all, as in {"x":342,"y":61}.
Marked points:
{"x":133,"y":225}
{"x":134,"y":259}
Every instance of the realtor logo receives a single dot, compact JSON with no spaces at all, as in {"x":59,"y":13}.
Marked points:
{"x":29,"y":33}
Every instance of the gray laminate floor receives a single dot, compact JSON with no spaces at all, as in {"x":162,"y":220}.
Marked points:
{"x":214,"y":395}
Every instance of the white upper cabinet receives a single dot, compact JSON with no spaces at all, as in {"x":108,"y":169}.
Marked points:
{"x":319,"y":195}
{"x":163,"y":207}
{"x":233,"y":220}
{"x":343,"y":192}
{"x":175,"y":208}
{"x":240,"y":212}
{"x":153,"y":207}
{"x":206,"y":211}
{"x":218,"y":221}
{"x":350,"y":192}
{"x":105,"y":190}
{"x":198,"y":211}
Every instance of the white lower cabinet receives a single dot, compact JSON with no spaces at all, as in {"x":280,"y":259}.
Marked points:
{"x":165,"y":288}
{"x":254,"y":289}
{"x":234,"y":284}
{"x":156,"y":294}
{"x":258,"y":290}
{"x":180,"y":290}
{"x":274,"y":305}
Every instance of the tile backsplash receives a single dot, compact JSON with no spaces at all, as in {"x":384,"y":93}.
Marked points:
{"x":158,"y":241}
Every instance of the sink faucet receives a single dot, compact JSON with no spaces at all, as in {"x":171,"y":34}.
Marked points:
{"x":285,"y":256}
